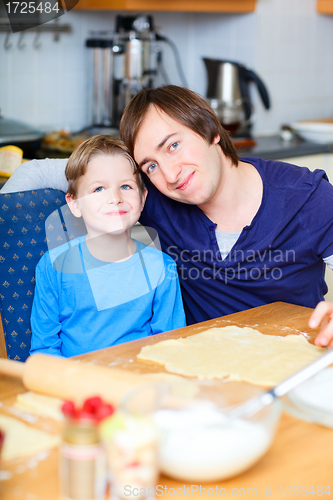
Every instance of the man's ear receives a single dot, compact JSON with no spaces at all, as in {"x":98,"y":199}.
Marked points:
{"x":143,"y":198}
{"x":73,"y":205}
{"x":216,"y":139}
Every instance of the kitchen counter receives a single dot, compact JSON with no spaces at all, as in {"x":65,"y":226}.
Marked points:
{"x":269,"y":148}
{"x":274,"y":148}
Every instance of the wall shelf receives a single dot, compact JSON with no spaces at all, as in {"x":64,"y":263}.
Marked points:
{"x":231,"y":6}
{"x":325,"y":6}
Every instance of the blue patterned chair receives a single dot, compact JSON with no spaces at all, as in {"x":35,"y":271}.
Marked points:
{"x":31,"y":222}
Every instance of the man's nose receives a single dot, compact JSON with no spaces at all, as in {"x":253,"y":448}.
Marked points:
{"x":171,"y":171}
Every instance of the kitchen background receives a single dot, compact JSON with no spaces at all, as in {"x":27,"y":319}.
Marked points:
{"x":287,"y":42}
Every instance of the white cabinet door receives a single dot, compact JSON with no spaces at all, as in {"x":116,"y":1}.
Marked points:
{"x":325,"y":162}
{"x":312,"y":161}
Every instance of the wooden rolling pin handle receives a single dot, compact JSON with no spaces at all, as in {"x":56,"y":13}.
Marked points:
{"x":11,"y":368}
{"x":72,"y":379}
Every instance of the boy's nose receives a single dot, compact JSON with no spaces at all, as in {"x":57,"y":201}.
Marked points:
{"x":113,"y":196}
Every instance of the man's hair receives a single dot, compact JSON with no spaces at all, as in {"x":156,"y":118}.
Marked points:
{"x":99,"y":145}
{"x":184,"y":106}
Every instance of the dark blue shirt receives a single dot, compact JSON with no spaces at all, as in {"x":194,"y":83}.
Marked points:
{"x":278,"y":257}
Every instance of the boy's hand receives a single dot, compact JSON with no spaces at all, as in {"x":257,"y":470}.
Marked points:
{"x":323,"y":314}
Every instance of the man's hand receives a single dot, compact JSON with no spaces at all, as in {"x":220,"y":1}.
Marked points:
{"x":323,"y":314}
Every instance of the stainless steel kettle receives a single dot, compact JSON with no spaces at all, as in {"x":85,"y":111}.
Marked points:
{"x":229,"y":96}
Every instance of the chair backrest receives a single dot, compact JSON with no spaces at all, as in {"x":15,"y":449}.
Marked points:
{"x":29,"y":226}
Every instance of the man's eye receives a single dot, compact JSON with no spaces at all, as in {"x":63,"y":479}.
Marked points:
{"x":173,"y":146}
{"x":151,"y":168}
{"x":125,"y":187}
{"x":98,"y":189}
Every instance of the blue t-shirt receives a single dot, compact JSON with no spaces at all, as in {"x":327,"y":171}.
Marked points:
{"x":82,"y":304}
{"x":278,"y":257}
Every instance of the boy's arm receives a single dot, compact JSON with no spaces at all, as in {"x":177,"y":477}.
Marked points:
{"x":168,"y":310}
{"x":45,"y":324}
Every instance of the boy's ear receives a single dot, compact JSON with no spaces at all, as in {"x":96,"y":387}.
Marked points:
{"x":73,"y":205}
{"x":143,"y":198}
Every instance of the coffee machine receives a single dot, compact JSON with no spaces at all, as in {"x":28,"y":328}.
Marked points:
{"x":228,"y":94}
{"x":135,"y":53}
{"x":125,"y":62}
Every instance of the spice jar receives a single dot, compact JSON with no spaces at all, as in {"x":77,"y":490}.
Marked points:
{"x":82,"y":465}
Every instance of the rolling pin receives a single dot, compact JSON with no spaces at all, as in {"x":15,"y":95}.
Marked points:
{"x":71,"y":379}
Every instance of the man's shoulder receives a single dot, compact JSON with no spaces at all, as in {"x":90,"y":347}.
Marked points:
{"x":283,"y":174}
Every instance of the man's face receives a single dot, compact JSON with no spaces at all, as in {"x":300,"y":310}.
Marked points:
{"x":180,"y":163}
{"x":108,"y":197}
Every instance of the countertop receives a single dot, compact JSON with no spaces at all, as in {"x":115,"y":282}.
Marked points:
{"x":269,"y":148}
{"x":274,"y":148}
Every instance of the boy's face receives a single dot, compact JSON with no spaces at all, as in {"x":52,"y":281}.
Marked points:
{"x":108,"y":197}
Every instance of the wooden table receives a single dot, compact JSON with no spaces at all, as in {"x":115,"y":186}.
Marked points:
{"x":301,"y":455}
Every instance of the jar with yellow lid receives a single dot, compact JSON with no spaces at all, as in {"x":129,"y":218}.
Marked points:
{"x":82,"y":465}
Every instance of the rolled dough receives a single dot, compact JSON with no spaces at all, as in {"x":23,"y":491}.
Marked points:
{"x":38,"y":404}
{"x":22,"y":440}
{"x":238,"y":353}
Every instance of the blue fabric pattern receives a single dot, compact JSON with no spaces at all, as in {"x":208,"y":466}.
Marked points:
{"x":23,"y":242}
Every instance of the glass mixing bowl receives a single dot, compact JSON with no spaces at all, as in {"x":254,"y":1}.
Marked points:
{"x":196,"y":442}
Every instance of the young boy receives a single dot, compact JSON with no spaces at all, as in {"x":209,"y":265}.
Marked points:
{"x":104,"y":288}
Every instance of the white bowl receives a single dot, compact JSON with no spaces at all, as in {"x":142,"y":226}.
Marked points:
{"x":318,"y":132}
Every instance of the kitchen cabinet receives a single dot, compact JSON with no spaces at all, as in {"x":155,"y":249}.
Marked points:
{"x":325,"y":6}
{"x":325,"y":162}
{"x":322,"y":160}
{"x":236,"y":6}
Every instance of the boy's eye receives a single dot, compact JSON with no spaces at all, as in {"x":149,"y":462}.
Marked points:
{"x":125,"y":187}
{"x":173,"y":146}
{"x":151,"y":168}
{"x":98,"y":189}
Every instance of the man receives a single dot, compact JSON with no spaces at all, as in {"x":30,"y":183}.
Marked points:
{"x":243,"y":233}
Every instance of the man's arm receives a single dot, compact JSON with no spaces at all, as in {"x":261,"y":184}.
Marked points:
{"x":37,"y":174}
{"x":45,"y":323}
{"x":168,"y":310}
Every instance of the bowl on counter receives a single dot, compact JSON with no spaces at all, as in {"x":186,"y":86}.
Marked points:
{"x":196,"y":443}
{"x":320,"y":132}
{"x":22,"y":135}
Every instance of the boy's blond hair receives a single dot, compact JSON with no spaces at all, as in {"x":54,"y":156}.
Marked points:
{"x":99,"y":145}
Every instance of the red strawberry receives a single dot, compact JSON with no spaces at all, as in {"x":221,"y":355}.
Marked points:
{"x":92,"y":404}
{"x":68,"y":409}
{"x":105,"y":410}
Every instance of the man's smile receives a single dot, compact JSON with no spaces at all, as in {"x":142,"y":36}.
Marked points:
{"x":186,"y":182}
